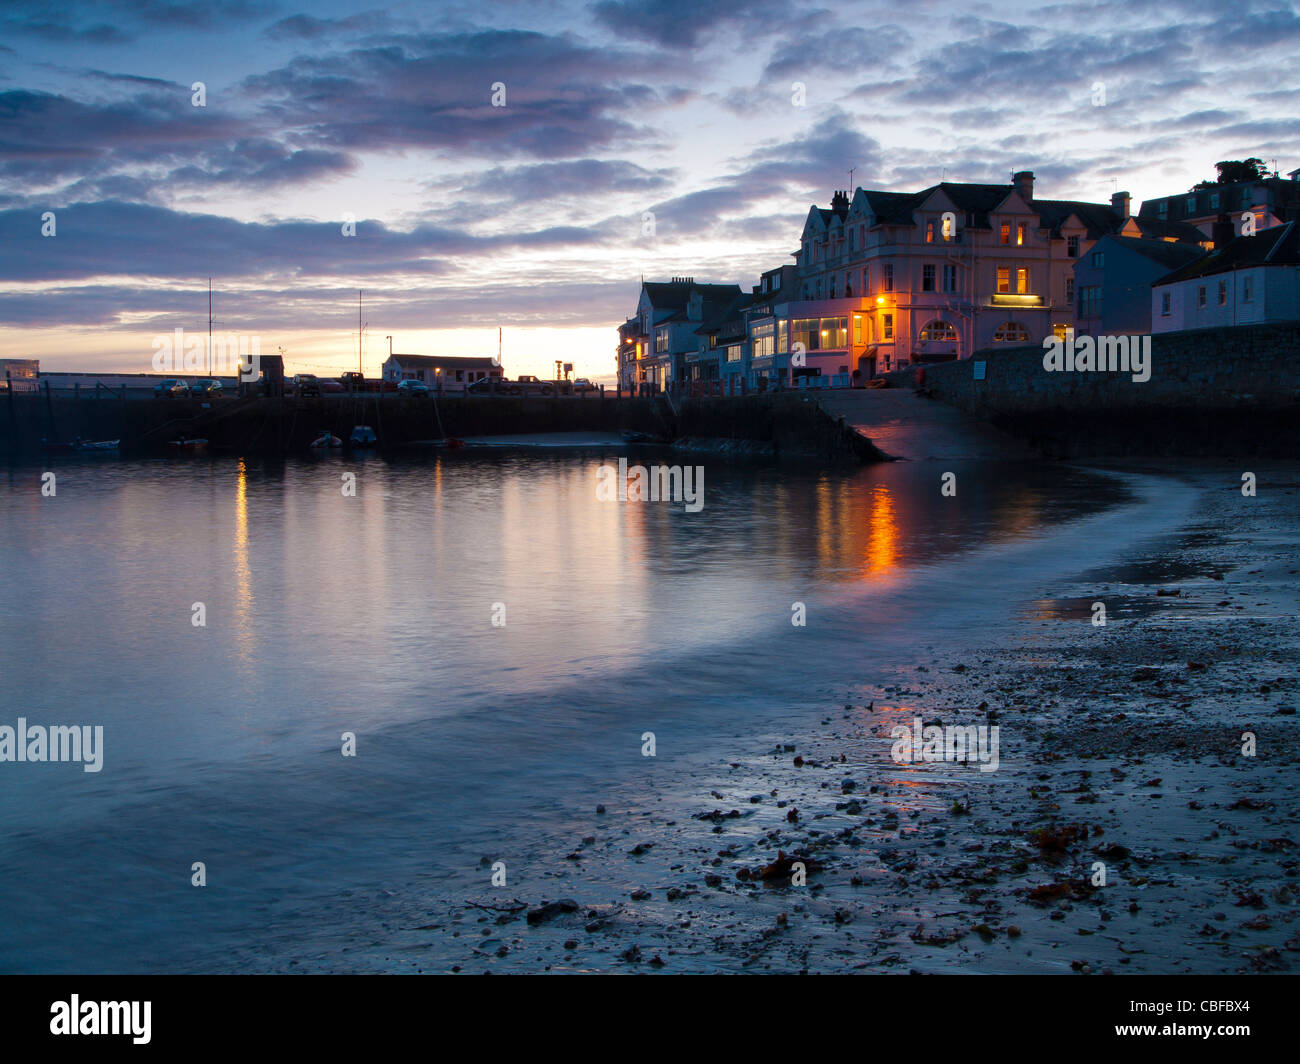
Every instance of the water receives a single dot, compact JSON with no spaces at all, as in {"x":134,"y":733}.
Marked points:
{"x":373,"y":615}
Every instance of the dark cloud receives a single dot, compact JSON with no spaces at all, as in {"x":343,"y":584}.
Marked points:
{"x":310,"y":28}
{"x":683,"y":23}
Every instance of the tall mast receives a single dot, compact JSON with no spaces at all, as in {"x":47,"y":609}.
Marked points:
{"x":209,"y":326}
{"x":358,"y":330}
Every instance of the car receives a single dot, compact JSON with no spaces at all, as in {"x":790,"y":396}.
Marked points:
{"x":488,"y":386}
{"x":582,"y":386}
{"x":530,"y":385}
{"x":329,"y":386}
{"x":206,"y":387}
{"x":413,"y":388}
{"x":171,"y":388}
{"x":306,"y":384}
{"x":353,"y":381}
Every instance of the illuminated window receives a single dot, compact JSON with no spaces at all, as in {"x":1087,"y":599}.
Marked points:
{"x":1022,"y":279}
{"x":888,"y":326}
{"x":1006,"y":233}
{"x":939,"y":330}
{"x":929,"y":232}
{"x":1020,"y":232}
{"x":1004,"y":278}
{"x":1011,"y":332}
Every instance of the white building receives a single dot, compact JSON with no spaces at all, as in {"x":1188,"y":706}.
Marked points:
{"x":450,"y":373}
{"x":1250,"y":280}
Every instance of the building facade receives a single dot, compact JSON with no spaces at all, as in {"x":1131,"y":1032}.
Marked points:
{"x":1112,"y":282}
{"x":451,"y":374}
{"x":1250,"y":280}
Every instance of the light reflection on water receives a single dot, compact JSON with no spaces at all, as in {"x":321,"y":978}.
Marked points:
{"x":327,"y":613}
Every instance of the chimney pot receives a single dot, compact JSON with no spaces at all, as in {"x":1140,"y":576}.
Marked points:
{"x":1024,"y":184}
{"x":1120,"y":203}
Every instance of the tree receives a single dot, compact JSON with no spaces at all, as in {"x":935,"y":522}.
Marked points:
{"x":1234,"y":171}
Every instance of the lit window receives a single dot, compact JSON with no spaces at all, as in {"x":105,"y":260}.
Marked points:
{"x":1004,"y":278}
{"x":1006,"y":233}
{"x":888,"y":324}
{"x":1020,"y":232}
{"x":929,"y":232}
{"x":939,"y":330}
{"x":1011,"y":332}
{"x":1022,"y":279}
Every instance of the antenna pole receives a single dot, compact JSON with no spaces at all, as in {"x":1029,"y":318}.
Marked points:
{"x":359,"y":330}
{"x":209,"y":326}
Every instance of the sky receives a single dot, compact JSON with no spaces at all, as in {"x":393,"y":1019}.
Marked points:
{"x":522,"y":165}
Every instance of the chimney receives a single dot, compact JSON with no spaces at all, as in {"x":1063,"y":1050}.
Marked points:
{"x":840,"y":201}
{"x":1119,"y":203}
{"x":1024,"y":183}
{"x":1222,"y":231}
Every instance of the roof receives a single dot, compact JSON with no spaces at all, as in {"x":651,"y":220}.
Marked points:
{"x":976,"y":201}
{"x":1279,"y":246}
{"x":1164,"y":253}
{"x":1155,"y":227}
{"x":454,"y":361}
{"x":674,"y":295}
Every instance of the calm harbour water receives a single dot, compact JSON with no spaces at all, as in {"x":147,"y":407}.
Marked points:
{"x":373,"y":615}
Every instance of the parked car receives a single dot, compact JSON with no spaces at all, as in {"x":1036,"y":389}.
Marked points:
{"x":306,"y":384}
{"x":489,"y":386}
{"x":206,"y":387}
{"x":353,"y":381}
{"x":582,"y":386}
{"x":171,"y":388}
{"x":530,"y":385}
{"x":329,"y":386}
{"x":413,"y":388}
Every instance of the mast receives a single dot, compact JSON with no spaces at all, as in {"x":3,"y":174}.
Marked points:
{"x":358,"y":330}
{"x":209,"y":363}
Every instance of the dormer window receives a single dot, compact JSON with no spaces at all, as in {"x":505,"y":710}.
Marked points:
{"x":1020,"y":232}
{"x":929,"y":232}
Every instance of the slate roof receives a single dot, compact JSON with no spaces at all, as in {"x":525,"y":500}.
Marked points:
{"x":1279,"y":246}
{"x":1171,"y":256}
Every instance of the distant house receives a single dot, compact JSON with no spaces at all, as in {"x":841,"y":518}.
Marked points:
{"x":667,"y":315}
{"x":1112,"y":282}
{"x":1250,"y":280}
{"x":1272,"y":201}
{"x":20,"y":374}
{"x":453,"y":373}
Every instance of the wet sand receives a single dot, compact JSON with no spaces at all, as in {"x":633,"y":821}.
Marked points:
{"x":1119,"y":744}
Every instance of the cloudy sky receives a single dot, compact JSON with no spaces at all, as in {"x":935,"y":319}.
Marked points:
{"x":529,"y":215}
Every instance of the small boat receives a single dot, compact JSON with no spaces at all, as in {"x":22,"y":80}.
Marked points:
{"x":97,"y":446}
{"x":363,"y":436}
{"x":638,"y":437}
{"x":187,"y":445}
{"x":57,"y":448}
{"x":326,"y":441}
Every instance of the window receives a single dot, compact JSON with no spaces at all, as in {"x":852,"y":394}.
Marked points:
{"x":1069,"y":291}
{"x":1214,"y":201}
{"x":764,"y":337}
{"x":733,"y":353}
{"x":1162,"y":210}
{"x":939,"y":330}
{"x":1005,"y":233}
{"x":1020,"y":232}
{"x":866,"y":280}
{"x":1200,"y":296}
{"x":927,"y":277}
{"x":783,"y":336}
{"x":1011,"y":332}
{"x":1223,"y":293}
{"x":950,"y":278}
{"x":929,"y":232}
{"x":1089,"y":301}
{"x":460,"y":375}
{"x":1164,"y":304}
{"x":1098,"y":260}
{"x":1071,"y":247}
{"x":1004,"y":278}
{"x":1191,"y":204}
{"x":857,"y":328}
{"x":852,"y":234}
{"x":888,"y":326}
{"x":887,"y":282}
{"x":1248,"y":289}
{"x":1022,"y":279}
{"x":661,"y":341}
{"x":831,"y":291}
{"x":848,"y":286}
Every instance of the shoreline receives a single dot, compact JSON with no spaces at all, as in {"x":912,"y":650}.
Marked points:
{"x":1120,"y":744}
